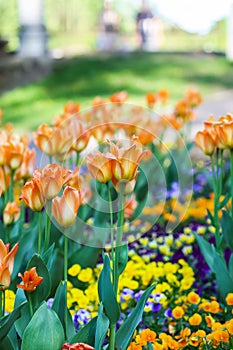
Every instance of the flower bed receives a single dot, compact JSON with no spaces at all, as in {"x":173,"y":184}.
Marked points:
{"x":112,"y":236}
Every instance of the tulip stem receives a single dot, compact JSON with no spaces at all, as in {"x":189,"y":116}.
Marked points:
{"x":40,"y":231}
{"x":3,"y":302}
{"x":48,"y":224}
{"x":5,"y":186}
{"x":221,"y":172}
{"x":112,"y":336}
{"x":30,"y":304}
{"x":231,"y":162}
{"x":111,"y":226}
{"x":11,"y":194}
{"x":120,"y":223}
{"x":77,"y":158}
{"x":216,"y":199}
{"x":66,"y":247}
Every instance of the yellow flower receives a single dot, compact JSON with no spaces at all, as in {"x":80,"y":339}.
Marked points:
{"x":74,"y":270}
{"x":85,"y":275}
{"x":186,"y":283}
{"x":10,"y":300}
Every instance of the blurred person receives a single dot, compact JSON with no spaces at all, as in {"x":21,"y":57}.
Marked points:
{"x":148,"y":28}
{"x":108,"y":28}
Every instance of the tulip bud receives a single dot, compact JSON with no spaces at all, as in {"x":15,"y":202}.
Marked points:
{"x":65,"y":208}
{"x":11,"y":213}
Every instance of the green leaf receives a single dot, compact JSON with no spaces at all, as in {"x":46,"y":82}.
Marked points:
{"x":207,"y":249}
{"x":7,"y":321}
{"x":86,"y":334}
{"x":224,"y":280}
{"x":123,"y":257}
{"x":24,"y":319}
{"x":106,"y":292}
{"x":224,"y":201}
{"x":47,"y":255}
{"x":44,"y":331}
{"x":227,"y":228}
{"x":25,"y":251}
{"x":101,"y":328}
{"x":58,"y":306}
{"x":10,"y":342}
{"x":125,"y":332}
{"x":211,"y":217}
{"x":7,"y":344}
{"x":230,"y":266}
{"x":43,"y":290}
{"x":85,"y":256}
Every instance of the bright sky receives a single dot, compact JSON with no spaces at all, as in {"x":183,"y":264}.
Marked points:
{"x":191,"y":15}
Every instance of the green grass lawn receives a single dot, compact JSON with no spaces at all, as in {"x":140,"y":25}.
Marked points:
{"x":81,"y":78}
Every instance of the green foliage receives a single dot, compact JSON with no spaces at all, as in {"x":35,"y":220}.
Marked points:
{"x":58,"y":306}
{"x":43,"y":290}
{"x":217,"y":264}
{"x":7,"y":321}
{"x":101,"y":328}
{"x":86,"y":334}
{"x":125,"y":332}
{"x":227,"y":228}
{"x":106,"y":292}
{"x":44,"y":329}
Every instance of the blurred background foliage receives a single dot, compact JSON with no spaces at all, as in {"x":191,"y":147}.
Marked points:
{"x":74,"y":23}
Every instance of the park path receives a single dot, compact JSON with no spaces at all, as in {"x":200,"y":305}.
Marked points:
{"x":217,"y":104}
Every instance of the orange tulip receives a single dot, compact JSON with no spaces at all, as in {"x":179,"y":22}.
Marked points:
{"x":52,"y":141}
{"x":13,"y":154}
{"x":119,"y":97}
{"x":205,"y":142}
{"x":75,"y":179}
{"x":80,"y":136}
{"x":163,"y":95}
{"x":30,"y":280}
{"x":193,"y":97}
{"x":226,"y":134}
{"x":6,"y":263}
{"x":130,"y":206}
{"x":53,"y":177}
{"x":71,"y":107}
{"x":11,"y":213}
{"x":125,"y":165}
{"x":151,"y":99}
{"x":28,"y":164}
{"x":100,"y":166}
{"x":65,"y":208}
{"x":32,"y":194}
{"x":103,"y":131}
{"x":4,"y":179}
{"x":99,"y":101}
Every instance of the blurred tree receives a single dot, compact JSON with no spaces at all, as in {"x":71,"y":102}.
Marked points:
{"x":73,"y":16}
{"x":9,"y":22}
